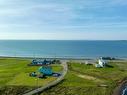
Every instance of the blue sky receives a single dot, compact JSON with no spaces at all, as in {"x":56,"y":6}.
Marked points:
{"x":63,"y":19}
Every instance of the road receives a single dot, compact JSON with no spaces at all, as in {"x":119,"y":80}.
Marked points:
{"x":58,"y":80}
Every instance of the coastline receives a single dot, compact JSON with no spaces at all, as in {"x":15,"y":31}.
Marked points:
{"x":63,"y":58}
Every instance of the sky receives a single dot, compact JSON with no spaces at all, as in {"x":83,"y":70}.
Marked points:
{"x":63,"y":19}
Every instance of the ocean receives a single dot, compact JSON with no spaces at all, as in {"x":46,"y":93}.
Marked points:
{"x":63,"y":48}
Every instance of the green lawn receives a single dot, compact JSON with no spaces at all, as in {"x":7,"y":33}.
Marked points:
{"x":15,"y":72}
{"x":81,"y":79}
{"x":88,"y":80}
{"x":108,"y":73}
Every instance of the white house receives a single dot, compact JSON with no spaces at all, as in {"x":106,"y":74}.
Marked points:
{"x":101,"y":63}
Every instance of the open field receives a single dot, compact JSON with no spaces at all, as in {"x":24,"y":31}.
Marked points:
{"x":14,"y":74}
{"x":81,"y":79}
{"x":87,"y":80}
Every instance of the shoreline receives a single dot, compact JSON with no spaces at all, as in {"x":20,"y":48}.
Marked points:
{"x":62,"y":58}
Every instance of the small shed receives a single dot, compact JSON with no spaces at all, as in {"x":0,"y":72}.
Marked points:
{"x":46,"y":70}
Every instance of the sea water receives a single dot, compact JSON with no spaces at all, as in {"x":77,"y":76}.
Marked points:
{"x":62,"y":48}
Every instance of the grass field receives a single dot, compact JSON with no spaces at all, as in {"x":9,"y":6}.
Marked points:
{"x":14,"y":73}
{"x":81,"y":79}
{"x":87,"y":80}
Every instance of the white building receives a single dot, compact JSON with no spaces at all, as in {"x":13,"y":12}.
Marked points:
{"x":101,"y":63}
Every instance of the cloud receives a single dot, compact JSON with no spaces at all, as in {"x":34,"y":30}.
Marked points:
{"x":118,"y":2}
{"x":63,"y":16}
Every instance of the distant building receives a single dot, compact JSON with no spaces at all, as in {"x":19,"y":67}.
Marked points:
{"x":46,"y":70}
{"x":41,"y":62}
{"x":107,"y":58}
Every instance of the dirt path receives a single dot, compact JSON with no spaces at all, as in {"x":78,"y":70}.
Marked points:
{"x":88,"y":77}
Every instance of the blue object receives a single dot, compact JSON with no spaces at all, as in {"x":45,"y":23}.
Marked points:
{"x":46,"y":70}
